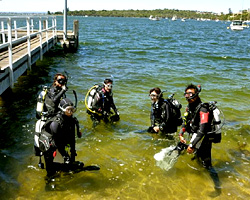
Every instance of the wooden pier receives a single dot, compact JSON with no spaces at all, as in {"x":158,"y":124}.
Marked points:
{"x":21,"y":47}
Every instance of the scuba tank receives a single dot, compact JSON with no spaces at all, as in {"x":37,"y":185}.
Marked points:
{"x":39,"y":124}
{"x":40,"y":102}
{"x":216,"y":122}
{"x":89,"y":99}
{"x":37,"y":151}
{"x":39,"y":115}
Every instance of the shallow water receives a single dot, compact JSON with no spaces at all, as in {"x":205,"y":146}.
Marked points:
{"x":140,"y":54}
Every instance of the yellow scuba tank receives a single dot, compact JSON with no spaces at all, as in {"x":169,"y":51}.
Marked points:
{"x":40,"y":102}
{"x":89,"y":98}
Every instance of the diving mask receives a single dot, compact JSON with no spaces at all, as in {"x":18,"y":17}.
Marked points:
{"x":109,"y":86}
{"x":61,"y":81}
{"x":190,"y":95}
{"x":69,"y":109}
{"x":153,"y":95}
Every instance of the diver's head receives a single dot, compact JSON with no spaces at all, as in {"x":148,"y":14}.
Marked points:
{"x":67,"y":107}
{"x":192,"y":93}
{"x":155,"y":94}
{"x":108,"y":84}
{"x":60,"y":79}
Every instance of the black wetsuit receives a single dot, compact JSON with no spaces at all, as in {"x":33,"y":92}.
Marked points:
{"x":102,"y":104}
{"x":52,"y":100}
{"x":62,"y":128}
{"x":198,"y":124}
{"x":160,"y":116}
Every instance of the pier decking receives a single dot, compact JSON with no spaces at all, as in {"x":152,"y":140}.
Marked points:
{"x":21,"y":47}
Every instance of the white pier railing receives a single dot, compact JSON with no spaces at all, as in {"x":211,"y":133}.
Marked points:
{"x":19,"y":29}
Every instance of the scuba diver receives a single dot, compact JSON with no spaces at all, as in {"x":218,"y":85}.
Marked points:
{"x":100,"y":101}
{"x":48,"y":99}
{"x":55,"y":94}
{"x":198,"y":120}
{"x":58,"y":133}
{"x":47,"y":103}
{"x":197,"y":124}
{"x":165,"y":116}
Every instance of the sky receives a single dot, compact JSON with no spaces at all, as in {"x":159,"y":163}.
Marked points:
{"x":216,"y":6}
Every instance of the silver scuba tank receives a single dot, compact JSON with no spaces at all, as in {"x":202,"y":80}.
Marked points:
{"x":91,"y":99}
{"x":39,"y":125}
{"x":217,"y":121}
{"x":40,"y":101}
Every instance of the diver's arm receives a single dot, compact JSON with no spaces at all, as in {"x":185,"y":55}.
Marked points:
{"x":204,"y":119}
{"x":112,"y":104}
{"x":165,"y":116}
{"x":181,"y":133}
{"x":152,"y":118}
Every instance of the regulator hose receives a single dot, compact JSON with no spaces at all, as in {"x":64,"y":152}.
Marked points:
{"x":74,"y":92}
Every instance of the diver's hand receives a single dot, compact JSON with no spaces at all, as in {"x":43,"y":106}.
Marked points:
{"x":79,"y":134}
{"x":190,"y":150}
{"x":156,"y":129}
{"x":182,"y":139}
{"x":64,"y":87}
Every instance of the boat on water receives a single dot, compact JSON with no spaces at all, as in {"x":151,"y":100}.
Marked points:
{"x":154,"y":18}
{"x":174,"y":18}
{"x":236,"y":25}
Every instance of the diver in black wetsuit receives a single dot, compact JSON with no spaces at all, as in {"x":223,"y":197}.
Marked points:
{"x":55,"y":94}
{"x":101,"y":102}
{"x":197,"y":122}
{"x":160,"y":116}
{"x":61,"y":128}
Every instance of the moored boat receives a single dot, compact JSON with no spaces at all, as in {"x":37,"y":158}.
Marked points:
{"x":236,"y":25}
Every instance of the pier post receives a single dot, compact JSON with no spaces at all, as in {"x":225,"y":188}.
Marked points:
{"x":3,"y":38}
{"x":65,"y":22}
{"x":11,"y":74}
{"x":41,"y":38}
{"x":76,"y":33}
{"x":28,"y":42}
{"x":71,"y":42}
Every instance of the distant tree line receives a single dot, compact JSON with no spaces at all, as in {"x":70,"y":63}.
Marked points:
{"x":163,"y":13}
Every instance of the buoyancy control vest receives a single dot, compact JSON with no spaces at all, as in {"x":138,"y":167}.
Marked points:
{"x":174,"y":110}
{"x":44,"y":140}
{"x":216,"y":121}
